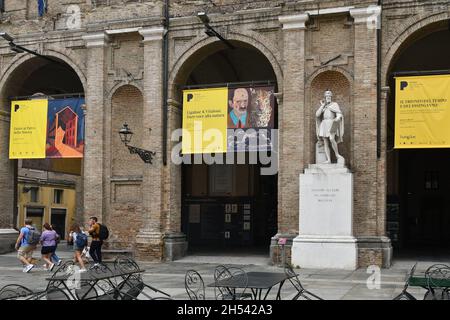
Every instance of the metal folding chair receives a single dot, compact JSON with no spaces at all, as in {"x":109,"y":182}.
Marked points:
{"x":132,"y":285}
{"x":240,"y":280}
{"x":295,"y":281}
{"x":194,"y":285}
{"x":405,"y":295}
{"x":17,"y":292}
{"x":436,"y":275}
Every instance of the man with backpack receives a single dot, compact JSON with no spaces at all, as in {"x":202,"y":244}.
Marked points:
{"x":99,"y":233}
{"x":26,"y":243}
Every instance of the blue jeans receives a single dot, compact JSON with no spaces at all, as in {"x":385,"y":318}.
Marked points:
{"x":54,"y":257}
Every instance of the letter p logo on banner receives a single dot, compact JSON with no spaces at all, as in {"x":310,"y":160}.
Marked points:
{"x":403,"y":85}
{"x":190,"y":96}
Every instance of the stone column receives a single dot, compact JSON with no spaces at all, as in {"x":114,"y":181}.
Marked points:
{"x":365,"y":163}
{"x":93,"y":203}
{"x":175,"y":244}
{"x":383,"y":242}
{"x":149,"y":241}
{"x":8,"y":235}
{"x":291,"y":130}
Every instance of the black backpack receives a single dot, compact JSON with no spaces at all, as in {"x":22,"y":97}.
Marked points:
{"x":103,"y":233}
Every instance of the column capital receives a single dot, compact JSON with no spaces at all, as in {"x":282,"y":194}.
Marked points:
{"x":294,"y":21}
{"x":152,"y":34}
{"x":370,"y":15}
{"x":96,"y":39}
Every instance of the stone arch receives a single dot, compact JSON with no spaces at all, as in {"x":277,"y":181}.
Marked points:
{"x":420,"y":26}
{"x":340,"y":82}
{"x":199,"y":49}
{"x":121,"y":84}
{"x":20,"y":59}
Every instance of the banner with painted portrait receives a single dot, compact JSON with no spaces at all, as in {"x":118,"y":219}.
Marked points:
{"x":233,"y":119}
{"x":251,"y":116}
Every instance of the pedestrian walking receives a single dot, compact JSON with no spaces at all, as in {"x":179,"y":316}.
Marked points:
{"x":95,"y":250}
{"x":48,"y":242}
{"x":26,"y":244}
{"x":79,"y":240}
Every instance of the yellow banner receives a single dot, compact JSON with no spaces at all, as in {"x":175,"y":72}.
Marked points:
{"x":28,"y":129}
{"x":422,"y":112}
{"x":205,"y":121}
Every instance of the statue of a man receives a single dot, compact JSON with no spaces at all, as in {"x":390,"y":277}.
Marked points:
{"x":330,"y":126}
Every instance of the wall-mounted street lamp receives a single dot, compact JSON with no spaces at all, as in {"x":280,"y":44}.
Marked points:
{"x":125,"y":136}
{"x":210,"y":30}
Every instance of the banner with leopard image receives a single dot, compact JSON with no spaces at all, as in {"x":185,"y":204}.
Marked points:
{"x":250,"y":119}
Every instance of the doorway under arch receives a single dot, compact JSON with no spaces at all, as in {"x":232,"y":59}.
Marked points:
{"x":418,"y":180}
{"x":241,"y":215}
{"x":45,"y":190}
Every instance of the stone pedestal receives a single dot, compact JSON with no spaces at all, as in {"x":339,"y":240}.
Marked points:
{"x":8,"y":239}
{"x":277,"y":256}
{"x":326,"y":219}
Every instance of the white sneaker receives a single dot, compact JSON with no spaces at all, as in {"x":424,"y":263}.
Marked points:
{"x":59,"y":262}
{"x":28,"y":268}
{"x":83,"y":270}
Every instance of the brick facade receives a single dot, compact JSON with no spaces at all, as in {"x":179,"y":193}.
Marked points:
{"x":116,"y":51}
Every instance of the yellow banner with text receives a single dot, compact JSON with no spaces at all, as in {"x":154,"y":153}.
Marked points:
{"x":28,"y":130}
{"x":422,"y":112}
{"x":205,"y":120}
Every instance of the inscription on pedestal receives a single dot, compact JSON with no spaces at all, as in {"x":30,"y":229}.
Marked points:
{"x":325,"y":195}
{"x":326,"y":202}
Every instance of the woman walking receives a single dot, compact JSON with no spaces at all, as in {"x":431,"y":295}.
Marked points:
{"x":48,"y":242}
{"x":79,"y":240}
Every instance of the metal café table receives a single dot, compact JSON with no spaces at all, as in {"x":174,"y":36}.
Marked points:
{"x":257,"y":282}
{"x":424,"y":282}
{"x":92,"y":277}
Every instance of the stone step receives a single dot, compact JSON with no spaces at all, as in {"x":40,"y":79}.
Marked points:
{"x":113,"y":254}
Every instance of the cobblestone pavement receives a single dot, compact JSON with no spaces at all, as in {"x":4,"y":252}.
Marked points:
{"x":169,"y":277}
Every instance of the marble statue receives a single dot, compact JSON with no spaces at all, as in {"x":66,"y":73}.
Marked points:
{"x":330,"y":127}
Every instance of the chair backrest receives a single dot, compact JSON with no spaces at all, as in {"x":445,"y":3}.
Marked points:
{"x":405,"y":295}
{"x":240,"y":279}
{"x":221,"y":272}
{"x":194,"y":285}
{"x":436,"y":275}
{"x":410,"y":275}
{"x":15,"y":292}
{"x":56,"y":293}
{"x":130,"y":288}
{"x":67,"y":267}
{"x":126,"y":264}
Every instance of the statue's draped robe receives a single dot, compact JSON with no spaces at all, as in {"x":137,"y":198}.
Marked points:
{"x":333,"y":106}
